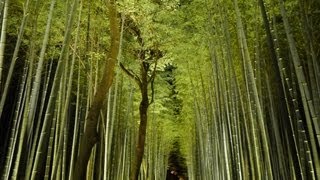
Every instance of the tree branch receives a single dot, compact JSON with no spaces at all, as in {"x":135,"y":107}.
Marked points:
{"x":153,"y":75}
{"x":131,"y":74}
{"x":151,"y":81}
{"x":134,"y":30}
{"x":152,"y":92}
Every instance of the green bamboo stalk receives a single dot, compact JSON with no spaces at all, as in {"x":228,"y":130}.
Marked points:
{"x":57,"y":77}
{"x":62,"y":135}
{"x":37,"y":80}
{"x":36,"y":135}
{"x":296,"y":114}
{"x":261,"y":121}
{"x":15,"y":53}
{"x":15,"y":127}
{"x":52,"y":138}
{"x":3,"y":38}
{"x":76,"y":124}
{"x":22,"y":134}
{"x":313,"y":66}
{"x":107,"y":140}
{"x":311,"y":119}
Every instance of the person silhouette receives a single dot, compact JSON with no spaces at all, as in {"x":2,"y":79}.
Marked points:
{"x":172,"y":174}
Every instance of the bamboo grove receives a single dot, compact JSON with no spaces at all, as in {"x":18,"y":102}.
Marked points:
{"x":159,"y":89}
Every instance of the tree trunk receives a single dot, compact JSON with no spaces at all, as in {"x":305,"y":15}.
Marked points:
{"x":90,"y":136}
{"x":143,"y":110}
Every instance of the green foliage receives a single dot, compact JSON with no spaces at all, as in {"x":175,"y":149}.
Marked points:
{"x":202,"y":76}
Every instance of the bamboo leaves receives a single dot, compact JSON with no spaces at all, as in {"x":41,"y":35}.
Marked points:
{"x":236,"y":95}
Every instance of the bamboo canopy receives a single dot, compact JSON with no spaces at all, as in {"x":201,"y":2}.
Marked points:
{"x":161,"y":89}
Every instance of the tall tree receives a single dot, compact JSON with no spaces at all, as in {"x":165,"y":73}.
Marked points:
{"x":90,"y":135}
{"x":146,"y":57}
